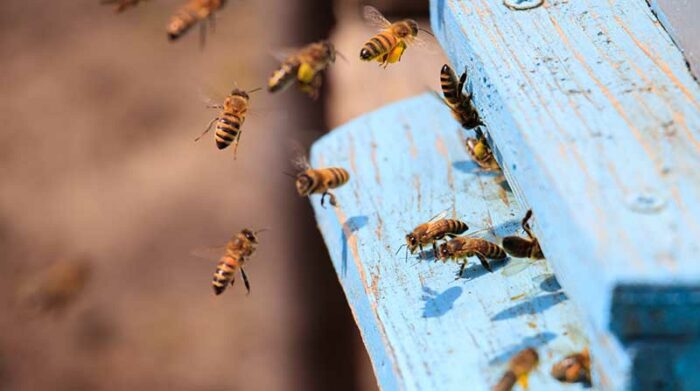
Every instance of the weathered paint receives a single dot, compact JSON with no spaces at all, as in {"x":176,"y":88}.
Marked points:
{"x":423,"y":329}
{"x":596,"y":120}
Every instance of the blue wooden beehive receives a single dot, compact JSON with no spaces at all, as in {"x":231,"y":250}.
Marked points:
{"x":595,"y":120}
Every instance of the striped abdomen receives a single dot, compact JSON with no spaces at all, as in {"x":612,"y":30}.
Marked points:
{"x":450,"y":87}
{"x":522,"y":248}
{"x":486,"y":248}
{"x":378,"y":45}
{"x":440,"y":228}
{"x":183,"y":19}
{"x":228,"y":129}
{"x":284,"y":76}
{"x":463,"y":247}
{"x":327,"y":178}
{"x":223,"y":276}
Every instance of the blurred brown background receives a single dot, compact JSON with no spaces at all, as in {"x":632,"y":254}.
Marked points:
{"x":98,"y":165}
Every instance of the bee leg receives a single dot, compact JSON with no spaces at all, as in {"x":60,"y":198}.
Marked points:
{"x":460,"y":87}
{"x":484,"y":262}
{"x":526,"y":225}
{"x":207,"y":129}
{"x":235,"y":145}
{"x":245,"y":280}
{"x":435,"y":250}
{"x":331,"y":197}
{"x":461,"y":269}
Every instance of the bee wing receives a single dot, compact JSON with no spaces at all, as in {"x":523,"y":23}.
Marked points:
{"x":424,"y":41}
{"x":515,"y":266}
{"x":299,"y":159}
{"x":440,"y":215}
{"x":375,"y":18}
{"x":284,"y":53}
{"x":211,"y":252}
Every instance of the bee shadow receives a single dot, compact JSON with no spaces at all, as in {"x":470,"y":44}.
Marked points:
{"x":469,"y":167}
{"x":534,"y":341}
{"x":350,"y":226}
{"x":535,"y":305}
{"x":550,"y":284}
{"x":437,"y":304}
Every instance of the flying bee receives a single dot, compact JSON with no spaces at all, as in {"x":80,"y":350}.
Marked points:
{"x":575,"y":368}
{"x":238,"y":250}
{"x":388,"y":45}
{"x":305,"y":66}
{"x":230,"y":119}
{"x":463,"y":247}
{"x":319,"y":181}
{"x":191,"y":13}
{"x":122,"y":5}
{"x":435,"y":229}
{"x":518,"y":369}
{"x":522,"y":247}
{"x":57,"y":286}
{"x":460,"y":103}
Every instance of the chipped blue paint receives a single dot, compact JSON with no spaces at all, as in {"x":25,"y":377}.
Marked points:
{"x":423,"y":329}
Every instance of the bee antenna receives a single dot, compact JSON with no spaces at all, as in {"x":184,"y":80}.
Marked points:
{"x":341,"y":56}
{"x":254,"y":90}
{"x":426,"y":31}
{"x":289,"y":174}
{"x":399,"y":249}
{"x":262,"y":230}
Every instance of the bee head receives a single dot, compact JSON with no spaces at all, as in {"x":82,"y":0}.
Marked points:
{"x":444,"y":251}
{"x":249,"y":235}
{"x":304,"y":183}
{"x":411,"y":242}
{"x":240,"y":92}
{"x":410,"y":27}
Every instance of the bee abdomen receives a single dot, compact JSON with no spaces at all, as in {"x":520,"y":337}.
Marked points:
{"x":456,"y":226}
{"x":339,"y":177}
{"x":227,"y":130}
{"x":449,"y":85}
{"x":182,"y":21}
{"x":282,"y":77}
{"x":222,"y":277}
{"x":377,"y":45}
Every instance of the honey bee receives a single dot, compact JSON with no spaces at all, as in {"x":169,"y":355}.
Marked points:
{"x":122,"y":5}
{"x":306,"y":67}
{"x":518,"y":369}
{"x":463,"y":247}
{"x":58,"y":286}
{"x":575,"y":368}
{"x":460,"y":103}
{"x":238,"y":250}
{"x":435,"y":229}
{"x":522,"y":247}
{"x":319,"y":181}
{"x":230,"y":119}
{"x":481,"y":153}
{"x":388,"y":45}
{"x":191,"y":13}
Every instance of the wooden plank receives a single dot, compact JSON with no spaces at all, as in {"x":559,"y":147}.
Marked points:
{"x":596,"y":121}
{"x":424,"y":329}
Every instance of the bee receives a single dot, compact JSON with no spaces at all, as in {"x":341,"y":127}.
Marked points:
{"x":319,"y":181}
{"x":388,"y":45}
{"x":191,"y":13}
{"x":463,"y":247}
{"x":481,"y":153}
{"x":521,"y":247}
{"x":518,"y":368}
{"x":306,"y":67}
{"x":58,"y":286}
{"x":575,"y":368}
{"x":238,"y":250}
{"x":122,"y":5}
{"x":435,"y":229}
{"x":230,"y":119}
{"x":460,"y":103}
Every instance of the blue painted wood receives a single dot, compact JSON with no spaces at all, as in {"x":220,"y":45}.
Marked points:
{"x":423,"y":329}
{"x":596,"y":121}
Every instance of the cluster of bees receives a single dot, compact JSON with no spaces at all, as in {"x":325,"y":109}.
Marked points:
{"x":305,"y":68}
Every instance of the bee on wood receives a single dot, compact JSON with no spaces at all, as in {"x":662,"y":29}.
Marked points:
{"x":435,"y":229}
{"x":481,"y":153}
{"x":518,"y":369}
{"x":191,"y":13}
{"x":122,"y":5}
{"x":305,"y":66}
{"x":230,"y":119}
{"x":238,"y":250}
{"x":318,"y":181}
{"x":575,"y":368}
{"x":459,"y":103}
{"x":388,"y":45}
{"x":463,"y":247}
{"x":522,"y":247}
{"x":57,"y":286}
